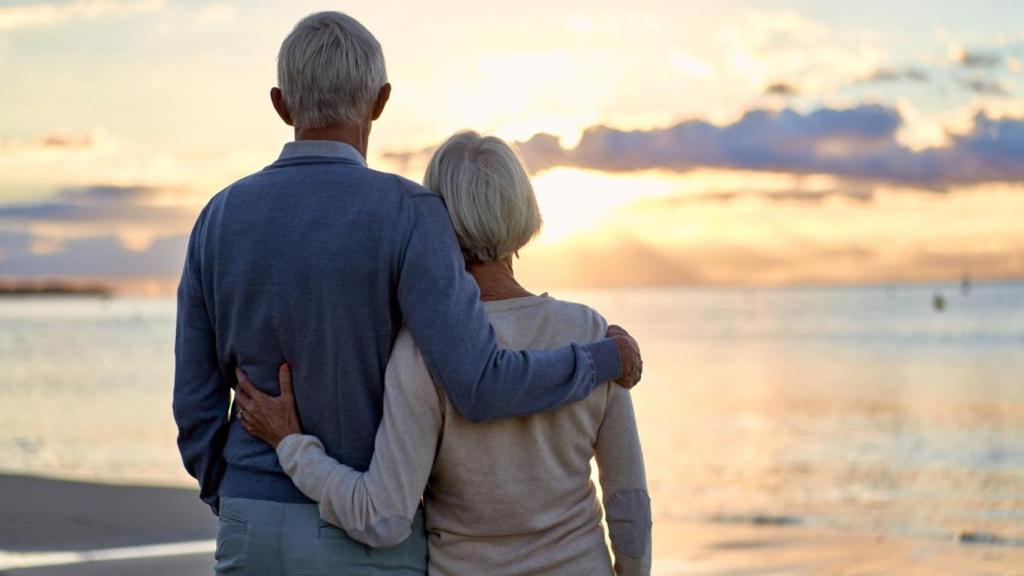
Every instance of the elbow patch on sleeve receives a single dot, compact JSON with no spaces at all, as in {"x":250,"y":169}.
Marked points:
{"x":384,"y":533}
{"x":629,"y":521}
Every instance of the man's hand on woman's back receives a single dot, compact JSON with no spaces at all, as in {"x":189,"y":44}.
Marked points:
{"x":629,"y":356}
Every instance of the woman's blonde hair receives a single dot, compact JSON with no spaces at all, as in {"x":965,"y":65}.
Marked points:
{"x":488,"y":193}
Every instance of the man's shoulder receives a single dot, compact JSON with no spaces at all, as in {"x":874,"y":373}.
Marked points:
{"x":412,"y":189}
{"x":220,"y":197}
{"x":386,"y":184}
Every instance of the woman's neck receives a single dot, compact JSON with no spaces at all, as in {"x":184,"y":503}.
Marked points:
{"x":496,"y":280}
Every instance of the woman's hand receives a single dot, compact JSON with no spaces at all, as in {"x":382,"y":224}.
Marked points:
{"x":266,"y":417}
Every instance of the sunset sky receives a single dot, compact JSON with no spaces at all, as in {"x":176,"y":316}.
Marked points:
{"x":672,"y":142}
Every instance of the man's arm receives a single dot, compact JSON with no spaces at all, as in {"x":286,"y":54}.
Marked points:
{"x":442,"y":309}
{"x":201,"y":395}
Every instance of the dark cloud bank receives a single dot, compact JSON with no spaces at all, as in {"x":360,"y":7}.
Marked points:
{"x":98,"y":204}
{"x":855,"y":142}
{"x":101,"y":255}
{"x":91,"y":257}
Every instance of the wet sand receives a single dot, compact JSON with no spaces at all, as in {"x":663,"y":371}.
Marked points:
{"x":191,"y":565}
{"x":42,"y":516}
{"x":722,"y":549}
{"x":38,"y":514}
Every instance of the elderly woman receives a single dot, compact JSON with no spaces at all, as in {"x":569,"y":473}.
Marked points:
{"x":507,"y":497}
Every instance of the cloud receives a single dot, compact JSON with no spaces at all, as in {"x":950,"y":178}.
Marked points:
{"x":49,"y":14}
{"x":93,"y":257}
{"x":731,"y":262}
{"x":782,"y":89}
{"x":760,"y":140}
{"x":984,"y":87}
{"x":860,"y":194}
{"x":50,"y":140}
{"x":760,"y":48}
{"x":682,"y":60}
{"x":885,"y":75}
{"x":858,"y":142}
{"x":102,"y":205}
{"x":974,"y":58}
{"x":98,"y":232}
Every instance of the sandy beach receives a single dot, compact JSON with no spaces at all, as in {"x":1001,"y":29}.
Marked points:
{"x":703,"y":549}
{"x":42,"y":518}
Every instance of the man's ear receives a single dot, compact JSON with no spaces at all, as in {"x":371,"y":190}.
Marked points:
{"x":277,"y":99}
{"x":382,"y":100}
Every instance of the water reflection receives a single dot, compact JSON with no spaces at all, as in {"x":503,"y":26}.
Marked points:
{"x":849,"y":408}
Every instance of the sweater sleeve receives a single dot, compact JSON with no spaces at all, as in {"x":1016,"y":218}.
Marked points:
{"x":201,"y":393}
{"x":441,"y":306}
{"x":377,"y":507}
{"x":624,"y":484}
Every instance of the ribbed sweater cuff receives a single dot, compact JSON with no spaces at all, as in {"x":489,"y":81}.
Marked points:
{"x":605,"y":355}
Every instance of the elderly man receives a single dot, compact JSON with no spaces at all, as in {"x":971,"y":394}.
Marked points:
{"x":319,"y":261}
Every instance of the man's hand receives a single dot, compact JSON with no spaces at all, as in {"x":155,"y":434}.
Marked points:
{"x":268,"y":418}
{"x":629,"y":357}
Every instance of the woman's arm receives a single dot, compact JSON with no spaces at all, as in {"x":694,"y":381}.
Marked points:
{"x":627,"y":505}
{"x":375,"y":507}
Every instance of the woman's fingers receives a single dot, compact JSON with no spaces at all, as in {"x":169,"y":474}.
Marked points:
{"x":252,"y":430}
{"x":245,"y":401}
{"x":284,"y":376}
{"x":267,"y":417}
{"x":248,"y":389}
{"x":246,"y":394}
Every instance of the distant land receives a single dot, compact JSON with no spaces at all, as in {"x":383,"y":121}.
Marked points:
{"x":53,"y":288}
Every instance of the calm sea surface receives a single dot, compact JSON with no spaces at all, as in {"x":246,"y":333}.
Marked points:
{"x":859,"y":408}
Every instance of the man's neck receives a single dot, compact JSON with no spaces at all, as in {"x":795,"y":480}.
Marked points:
{"x":356,"y":136}
{"x":496,"y":280}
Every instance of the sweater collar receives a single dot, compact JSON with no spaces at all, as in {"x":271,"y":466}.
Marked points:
{"x":331,"y":148}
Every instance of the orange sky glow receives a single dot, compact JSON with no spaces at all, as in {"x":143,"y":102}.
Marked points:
{"x":670,"y":143}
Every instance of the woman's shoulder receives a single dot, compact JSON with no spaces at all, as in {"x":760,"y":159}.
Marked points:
{"x":589,"y":322}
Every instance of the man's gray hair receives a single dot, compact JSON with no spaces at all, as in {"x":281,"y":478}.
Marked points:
{"x":330,"y":69}
{"x":488,"y":193}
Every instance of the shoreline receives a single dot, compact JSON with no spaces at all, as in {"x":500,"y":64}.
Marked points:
{"x":86,"y":529}
{"x":113,"y":292}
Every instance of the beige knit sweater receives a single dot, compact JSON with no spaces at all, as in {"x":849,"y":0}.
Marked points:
{"x":506,"y":497}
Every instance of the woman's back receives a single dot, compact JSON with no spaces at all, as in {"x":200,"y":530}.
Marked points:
{"x":514,"y":496}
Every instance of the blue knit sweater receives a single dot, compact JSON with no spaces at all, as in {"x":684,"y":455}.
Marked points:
{"x":318,"y":261}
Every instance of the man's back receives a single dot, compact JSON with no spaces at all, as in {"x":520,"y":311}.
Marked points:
{"x":300,"y":262}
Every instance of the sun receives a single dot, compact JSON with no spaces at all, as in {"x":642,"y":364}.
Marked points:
{"x":574,"y":201}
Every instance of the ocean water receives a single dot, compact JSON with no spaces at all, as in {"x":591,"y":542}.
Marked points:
{"x":857,"y":408}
